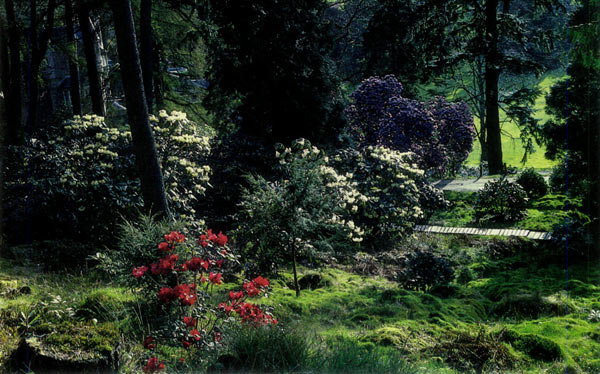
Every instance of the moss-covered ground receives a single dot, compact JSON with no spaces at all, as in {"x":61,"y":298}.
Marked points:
{"x":518,"y":312}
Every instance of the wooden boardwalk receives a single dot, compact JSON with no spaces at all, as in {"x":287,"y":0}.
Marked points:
{"x":536,"y":235}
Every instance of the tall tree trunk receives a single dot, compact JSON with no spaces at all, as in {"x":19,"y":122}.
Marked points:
{"x":158,"y":75}
{"x":480,"y":78}
{"x":4,"y":85}
{"x":91,"y":61}
{"x":296,"y":285}
{"x":146,"y":49}
{"x":13,"y":93}
{"x":73,"y":68}
{"x":146,"y":155}
{"x":492,"y":75}
{"x":39,"y":46}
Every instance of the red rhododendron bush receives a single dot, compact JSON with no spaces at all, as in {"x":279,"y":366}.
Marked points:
{"x":183,"y":284}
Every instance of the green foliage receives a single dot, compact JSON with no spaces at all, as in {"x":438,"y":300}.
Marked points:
{"x":267,"y":349}
{"x":502,"y":201}
{"x":136,"y":242}
{"x":306,"y":211}
{"x":105,"y":305}
{"x":572,"y":237}
{"x":274,"y":349}
{"x":96,"y":185}
{"x":533,"y":183}
{"x":424,"y":270}
{"x":268,"y":68}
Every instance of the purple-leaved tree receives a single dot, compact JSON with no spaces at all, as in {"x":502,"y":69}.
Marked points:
{"x":439,"y":132}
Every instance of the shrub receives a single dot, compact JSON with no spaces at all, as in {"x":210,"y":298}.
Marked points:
{"x":305,"y":213}
{"x":533,"y":183}
{"x":574,"y":235}
{"x":178,"y":284}
{"x":388,"y":181}
{"x":501,"y":201}
{"x":440,"y":133}
{"x":423,"y":270}
{"x":96,"y":185}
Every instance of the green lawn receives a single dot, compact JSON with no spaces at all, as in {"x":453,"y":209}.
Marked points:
{"x":512,"y":148}
{"x":542,"y":214}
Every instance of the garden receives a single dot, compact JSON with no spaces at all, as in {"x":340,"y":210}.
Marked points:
{"x":362,"y":186}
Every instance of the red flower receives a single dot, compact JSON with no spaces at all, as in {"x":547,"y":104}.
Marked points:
{"x":203,"y":241}
{"x":153,"y":365}
{"x":236,"y":295}
{"x":195,"y":334}
{"x":219,"y":263}
{"x":195,"y":263}
{"x":186,"y":293}
{"x":251,"y":289}
{"x":164,"y":246}
{"x":260,"y":282}
{"x":139,"y":272}
{"x":166,"y":264}
{"x":217,"y":336}
{"x":221,"y":239}
{"x":212,"y":237}
{"x":175,"y":237}
{"x":166,"y":295}
{"x":148,"y":343}
{"x":186,"y":344}
{"x":189,"y":321}
{"x":226,"y":308}
{"x":215,"y":278}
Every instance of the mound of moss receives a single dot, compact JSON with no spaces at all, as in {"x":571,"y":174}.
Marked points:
{"x":105,"y":304}
{"x":535,"y":346}
{"x":76,"y":346}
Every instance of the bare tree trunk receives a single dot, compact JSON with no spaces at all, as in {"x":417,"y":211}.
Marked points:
{"x":146,"y":155}
{"x":492,"y":75}
{"x":4,"y":85}
{"x":146,"y":49}
{"x":73,"y":68}
{"x":296,"y":285}
{"x":39,"y":46}
{"x":13,"y":93}
{"x":91,"y":60}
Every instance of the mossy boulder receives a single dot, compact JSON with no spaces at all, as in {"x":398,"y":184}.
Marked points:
{"x":81,"y":347}
{"x":535,"y":346}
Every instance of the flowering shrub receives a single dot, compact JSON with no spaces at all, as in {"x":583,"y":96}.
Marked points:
{"x":75,"y":184}
{"x":81,"y":181}
{"x":440,"y":133}
{"x":386,"y":180}
{"x":181,"y":281}
{"x":182,"y":151}
{"x":501,"y":200}
{"x":305,"y":214}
